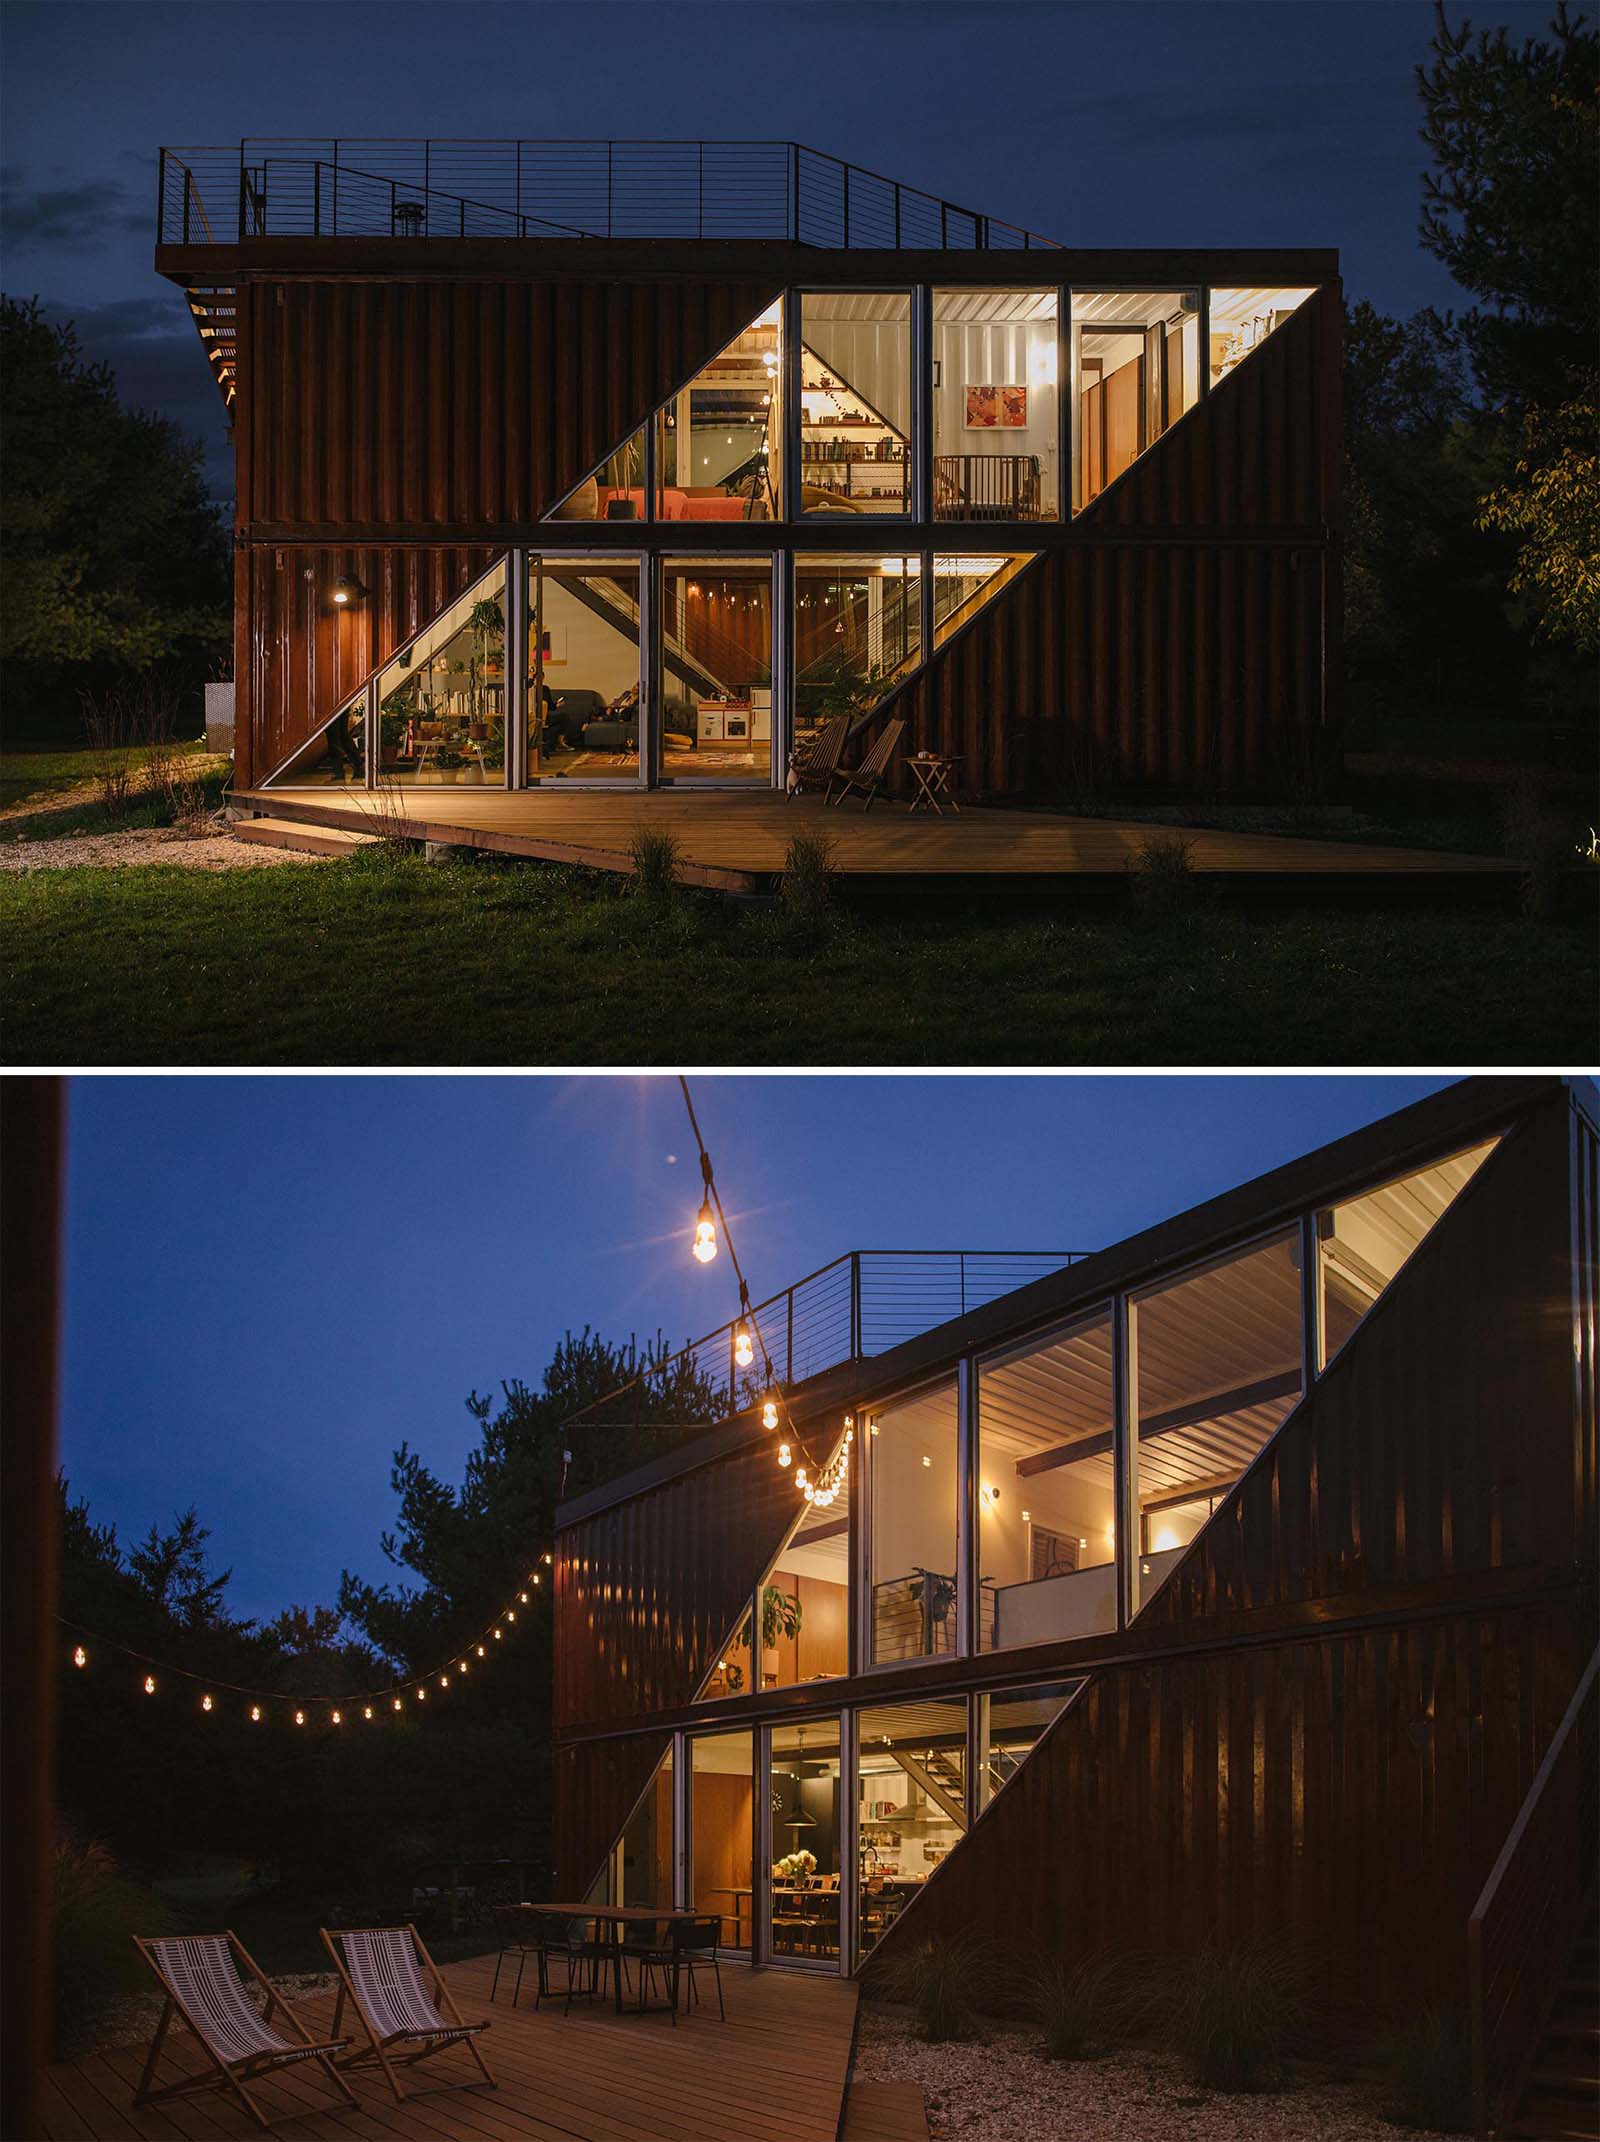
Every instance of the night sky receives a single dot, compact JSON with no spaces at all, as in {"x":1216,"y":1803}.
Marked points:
{"x":1181,"y":122}
{"x":272,"y":1282}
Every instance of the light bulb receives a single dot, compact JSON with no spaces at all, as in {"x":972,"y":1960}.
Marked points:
{"x":444,"y":1680}
{"x":80,"y":1657}
{"x":705,"y":1234}
{"x":511,"y":1613}
{"x":461,"y":1666}
{"x":743,"y":1348}
{"x":337,"y":1717}
{"x":926,"y":1460}
{"x":480,"y":1651}
{"x":522,"y":1597}
{"x":811,"y":1494}
{"x":769,"y":1414}
{"x":1027,"y":1517}
{"x":547,"y":1559}
{"x":255,"y":1714}
{"x":397,"y":1703}
{"x":149,"y":1684}
{"x":536,"y":1576}
{"x":366,"y":1710}
{"x":800,"y":1476}
{"x":783,"y":1454}
{"x":299,"y":1717}
{"x":206,"y":1703}
{"x":498,"y":1634}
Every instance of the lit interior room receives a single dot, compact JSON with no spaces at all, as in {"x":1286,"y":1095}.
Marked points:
{"x":1136,"y":359}
{"x":441,"y":701}
{"x":996,"y":428}
{"x":912,"y":1542}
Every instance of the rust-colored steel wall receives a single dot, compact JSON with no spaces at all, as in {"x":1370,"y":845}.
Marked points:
{"x":1349,"y":1787}
{"x":1195,"y":657}
{"x":1349,"y":1791}
{"x":386,"y":408}
{"x":1586,"y":1340}
{"x":646,"y":1591}
{"x":597,"y":1784}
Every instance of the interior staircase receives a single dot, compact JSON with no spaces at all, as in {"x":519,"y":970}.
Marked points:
{"x":1560,"y":2100}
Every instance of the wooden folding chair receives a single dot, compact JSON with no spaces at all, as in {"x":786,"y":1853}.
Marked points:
{"x":379,"y":1970}
{"x":816,"y":767}
{"x":204,"y":1990}
{"x":873,"y":772}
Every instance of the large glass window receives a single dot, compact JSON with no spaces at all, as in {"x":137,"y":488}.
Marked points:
{"x":855,"y":402}
{"x":612,"y":492}
{"x":335,"y":757}
{"x":1362,"y":1243}
{"x":857,"y":634}
{"x":1136,"y":360}
{"x":912,"y":1471}
{"x":1047,"y":1539}
{"x":912,"y":1792}
{"x":442,"y":700}
{"x":807,"y":1826}
{"x":1218,"y":1366}
{"x":716,"y":669}
{"x":805,"y":1602}
{"x":583,"y":668}
{"x":721,"y":1814}
{"x":1242,"y":319}
{"x":719,"y":447}
{"x":642,"y":1872}
{"x":996,"y":429}
{"x":1009,"y":1727}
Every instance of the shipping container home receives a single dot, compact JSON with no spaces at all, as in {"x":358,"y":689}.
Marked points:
{"x":1237,"y":1579}
{"x":605,"y":465}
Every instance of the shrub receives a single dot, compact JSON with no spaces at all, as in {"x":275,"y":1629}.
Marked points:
{"x":1165,"y":889}
{"x":656,"y":856}
{"x":808,"y":876}
{"x":97,"y":1911}
{"x":1076,"y":2004}
{"x":1429,"y":2067}
{"x":940,"y":1980}
{"x":132,"y":742}
{"x":1238,"y":2013}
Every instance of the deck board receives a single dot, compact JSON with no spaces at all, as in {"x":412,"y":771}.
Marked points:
{"x":774,"y":2072}
{"x":885,"y":2112}
{"x":737,"y":842}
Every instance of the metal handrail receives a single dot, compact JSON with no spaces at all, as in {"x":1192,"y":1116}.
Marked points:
{"x":573,"y":188}
{"x":859,"y":1305}
{"x":1529,"y":1913}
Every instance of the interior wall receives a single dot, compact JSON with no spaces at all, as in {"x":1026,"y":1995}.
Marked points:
{"x":873,"y":356}
{"x":998,"y":354}
{"x":599,"y":658}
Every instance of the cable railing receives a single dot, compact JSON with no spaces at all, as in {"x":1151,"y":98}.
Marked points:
{"x":862,"y":1304}
{"x":364,"y":187}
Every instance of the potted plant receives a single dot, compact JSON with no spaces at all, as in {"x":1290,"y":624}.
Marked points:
{"x":780,"y":1616}
{"x":795,"y":1868}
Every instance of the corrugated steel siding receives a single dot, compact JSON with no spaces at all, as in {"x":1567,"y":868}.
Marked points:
{"x":597,"y":1785}
{"x":647,"y":1591}
{"x":1350,"y":1792}
{"x":1195,"y":663}
{"x":1586,"y":1341}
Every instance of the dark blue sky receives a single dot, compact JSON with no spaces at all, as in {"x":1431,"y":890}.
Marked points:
{"x":1150,"y":122}
{"x":272,"y":1282}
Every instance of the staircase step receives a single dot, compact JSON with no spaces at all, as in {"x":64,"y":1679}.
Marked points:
{"x":311,"y":840}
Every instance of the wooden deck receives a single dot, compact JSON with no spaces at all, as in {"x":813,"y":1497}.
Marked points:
{"x":774,"y":2072}
{"x":735,"y":842}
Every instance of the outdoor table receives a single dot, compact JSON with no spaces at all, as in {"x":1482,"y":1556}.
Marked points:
{"x":933,"y":771}
{"x":614,"y":1917}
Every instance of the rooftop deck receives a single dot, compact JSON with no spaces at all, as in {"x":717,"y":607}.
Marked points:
{"x":774,"y":2072}
{"x":733,"y":842}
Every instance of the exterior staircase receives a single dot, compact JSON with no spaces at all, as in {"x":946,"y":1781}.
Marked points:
{"x":1561,"y":2097}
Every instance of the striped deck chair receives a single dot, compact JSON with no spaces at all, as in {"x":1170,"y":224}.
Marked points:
{"x":873,"y":772}
{"x":204,"y":1989}
{"x":380,"y":1969}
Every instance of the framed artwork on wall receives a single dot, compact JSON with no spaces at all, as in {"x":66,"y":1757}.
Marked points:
{"x":997,"y":408}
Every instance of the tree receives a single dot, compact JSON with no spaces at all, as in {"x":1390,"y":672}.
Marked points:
{"x":1551,"y":505}
{"x":173,"y":1569}
{"x":113,"y":558}
{"x":1510,"y":206}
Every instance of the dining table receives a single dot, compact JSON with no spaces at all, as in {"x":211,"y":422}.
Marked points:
{"x":615,"y":1919}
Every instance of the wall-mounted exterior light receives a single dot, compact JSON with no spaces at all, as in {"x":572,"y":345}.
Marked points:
{"x":347,"y":592}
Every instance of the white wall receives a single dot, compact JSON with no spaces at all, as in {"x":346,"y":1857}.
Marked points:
{"x":914,"y":1506}
{"x":598,"y":658}
{"x":873,"y":356}
{"x":1015,"y":353}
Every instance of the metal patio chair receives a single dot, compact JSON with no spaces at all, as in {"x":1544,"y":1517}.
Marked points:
{"x":204,"y":1989}
{"x":380,"y":1973}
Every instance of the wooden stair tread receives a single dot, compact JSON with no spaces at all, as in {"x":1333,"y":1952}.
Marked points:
{"x":293,"y":833}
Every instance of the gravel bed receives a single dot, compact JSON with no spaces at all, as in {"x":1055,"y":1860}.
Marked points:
{"x":146,"y":844}
{"x":1000,"y":2088}
{"x":132,"y":2019}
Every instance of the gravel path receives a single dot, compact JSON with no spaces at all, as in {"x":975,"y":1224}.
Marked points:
{"x":146,"y":844}
{"x":131,"y":2020}
{"x":1002,"y":2089}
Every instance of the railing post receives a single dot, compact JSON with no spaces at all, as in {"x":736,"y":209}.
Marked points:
{"x":700,"y":206}
{"x":944,"y":223}
{"x":188,"y":183}
{"x":611,"y":149}
{"x":316,"y":198}
{"x":847,"y":208}
{"x":961,"y":1257}
{"x":788,"y":1344}
{"x":855,"y":1305}
{"x":241,"y":192}
{"x":794,"y":190}
{"x":335,"y":231}
{"x":897,"y":215}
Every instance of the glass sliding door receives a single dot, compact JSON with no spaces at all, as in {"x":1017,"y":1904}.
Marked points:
{"x":1216,"y":1366}
{"x":807,"y":1829}
{"x":912,"y":1468}
{"x":716,"y":669}
{"x":584,"y":672}
{"x":441,"y":701}
{"x":996,"y":418}
{"x":642,"y":1862}
{"x":911,"y":1789}
{"x":721,"y":1831}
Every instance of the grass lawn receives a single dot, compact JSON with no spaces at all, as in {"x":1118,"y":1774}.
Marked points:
{"x":373,"y":960}
{"x":47,"y":795}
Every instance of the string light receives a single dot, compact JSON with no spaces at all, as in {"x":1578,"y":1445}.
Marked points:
{"x":255,"y":1714}
{"x":366,"y":1710}
{"x":206,"y":1703}
{"x":705,"y":1234}
{"x":299,"y":1717}
{"x":336,"y":1717}
{"x":149,"y":1684}
{"x":783,"y":1454}
{"x":80,"y":1657}
{"x":743,"y":1347}
{"x":769,"y":1414}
